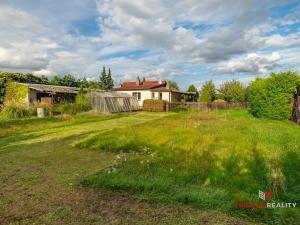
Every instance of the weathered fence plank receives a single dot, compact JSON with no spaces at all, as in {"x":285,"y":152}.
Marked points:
{"x":203,"y":106}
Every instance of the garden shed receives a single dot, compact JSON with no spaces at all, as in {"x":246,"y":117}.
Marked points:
{"x":112,"y":102}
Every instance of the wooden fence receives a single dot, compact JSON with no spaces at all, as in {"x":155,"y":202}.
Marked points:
{"x":203,"y":106}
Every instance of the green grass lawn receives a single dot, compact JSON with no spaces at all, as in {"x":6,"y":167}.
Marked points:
{"x":44,"y":161}
{"x":209,"y":160}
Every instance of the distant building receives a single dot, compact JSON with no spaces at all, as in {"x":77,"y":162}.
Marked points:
{"x":49,"y":93}
{"x":143,"y":90}
{"x":101,"y":101}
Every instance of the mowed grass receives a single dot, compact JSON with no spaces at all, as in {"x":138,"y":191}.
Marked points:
{"x":209,"y":159}
{"x":41,"y":169}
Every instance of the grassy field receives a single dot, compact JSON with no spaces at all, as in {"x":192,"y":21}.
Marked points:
{"x":161,"y":168}
{"x":209,"y":160}
{"x":41,"y":170}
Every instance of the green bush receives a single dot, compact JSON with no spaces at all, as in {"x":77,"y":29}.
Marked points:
{"x":82,"y":104}
{"x":65,"y":108}
{"x":70,"y":108}
{"x":273,"y":97}
{"x":177,"y":107}
{"x":14,"y":112}
{"x":154,"y":105}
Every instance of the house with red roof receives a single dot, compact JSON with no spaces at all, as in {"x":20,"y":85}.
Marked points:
{"x":143,"y":90}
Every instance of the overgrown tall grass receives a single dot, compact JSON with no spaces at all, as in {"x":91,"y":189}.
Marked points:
{"x":14,"y":112}
{"x":206,"y":159}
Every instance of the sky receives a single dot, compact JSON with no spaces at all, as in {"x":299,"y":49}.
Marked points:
{"x":188,"y":41}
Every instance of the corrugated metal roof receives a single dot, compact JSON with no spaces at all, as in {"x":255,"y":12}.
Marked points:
{"x":109,"y":94}
{"x":52,"y":88}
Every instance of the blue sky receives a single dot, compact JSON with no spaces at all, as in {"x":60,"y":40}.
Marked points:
{"x":187,"y":41}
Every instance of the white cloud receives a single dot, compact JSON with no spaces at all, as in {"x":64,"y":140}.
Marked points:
{"x":280,"y":41}
{"x":24,"y":43}
{"x":150,"y":24}
{"x":175,"y":36}
{"x":252,"y":63}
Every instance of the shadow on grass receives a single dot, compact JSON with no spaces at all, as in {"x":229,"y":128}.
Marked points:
{"x":203,"y":178}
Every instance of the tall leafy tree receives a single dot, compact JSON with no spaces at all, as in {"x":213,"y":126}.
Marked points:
{"x":69,"y":80}
{"x":84,"y":83}
{"x":232,"y":91}
{"x":173,"y":84}
{"x":208,"y":92}
{"x":106,"y":81}
{"x":56,"y":80}
{"x":192,"y":88}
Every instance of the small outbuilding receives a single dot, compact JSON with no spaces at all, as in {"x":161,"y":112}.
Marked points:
{"x":112,"y":102}
{"x":49,"y":93}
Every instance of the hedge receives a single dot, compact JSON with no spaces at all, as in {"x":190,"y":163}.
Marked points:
{"x":154,"y":105}
{"x":273,"y":97}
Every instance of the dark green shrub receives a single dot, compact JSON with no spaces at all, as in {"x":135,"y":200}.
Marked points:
{"x":154,"y":105}
{"x":273,"y":97}
{"x":14,"y":112}
{"x":177,"y":107}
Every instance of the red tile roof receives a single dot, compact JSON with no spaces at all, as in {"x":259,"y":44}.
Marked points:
{"x":142,"y":85}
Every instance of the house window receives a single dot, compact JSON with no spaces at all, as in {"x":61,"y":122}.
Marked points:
{"x":160,"y":95}
{"x":152,"y":95}
{"x":137,"y":95}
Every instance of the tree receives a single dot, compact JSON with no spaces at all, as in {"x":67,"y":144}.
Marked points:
{"x":106,"y":81}
{"x":18,"y":77}
{"x":69,"y":80}
{"x":273,"y":97}
{"x":208,"y":92}
{"x":232,"y":91}
{"x":192,"y":88}
{"x":83,"y":83}
{"x":110,"y":81}
{"x":56,"y":80}
{"x":173,"y":84}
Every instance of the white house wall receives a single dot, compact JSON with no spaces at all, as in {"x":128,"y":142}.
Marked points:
{"x":146,"y":94}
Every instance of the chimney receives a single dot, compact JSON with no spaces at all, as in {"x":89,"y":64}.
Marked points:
{"x":138,"y":81}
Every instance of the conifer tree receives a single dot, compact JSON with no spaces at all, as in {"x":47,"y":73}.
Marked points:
{"x":106,"y":81}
